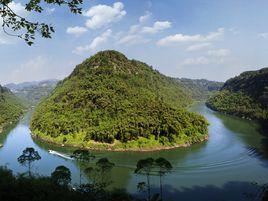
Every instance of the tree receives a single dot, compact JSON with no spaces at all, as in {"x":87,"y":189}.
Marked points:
{"x":61,"y":176}
{"x":100,"y":178}
{"x":29,"y":155}
{"x":82,"y":156}
{"x":145,"y":167}
{"x":163,"y":167}
{"x":15,"y":25}
{"x":104,"y":166}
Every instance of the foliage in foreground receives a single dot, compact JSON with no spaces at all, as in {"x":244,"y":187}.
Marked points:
{"x":58,"y":186}
{"x":13,"y":24}
{"x":245,"y":96}
{"x":10,"y":107}
{"x":113,"y":100}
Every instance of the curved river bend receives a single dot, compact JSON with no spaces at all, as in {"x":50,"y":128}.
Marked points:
{"x":222,"y":168}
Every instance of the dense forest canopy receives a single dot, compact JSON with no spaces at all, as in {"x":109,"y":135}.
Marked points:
{"x":245,"y":95}
{"x":109,"y":98}
{"x":10,"y":107}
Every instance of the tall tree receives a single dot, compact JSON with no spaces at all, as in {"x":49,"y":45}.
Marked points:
{"x":145,"y":167}
{"x":29,"y":155}
{"x":104,"y":166}
{"x":82,"y":156}
{"x":15,"y":25}
{"x":61,"y":176}
{"x":163,"y":167}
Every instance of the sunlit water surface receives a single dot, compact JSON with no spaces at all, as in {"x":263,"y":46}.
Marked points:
{"x":222,"y":168}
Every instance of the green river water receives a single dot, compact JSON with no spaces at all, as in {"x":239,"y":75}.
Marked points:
{"x":222,"y":168}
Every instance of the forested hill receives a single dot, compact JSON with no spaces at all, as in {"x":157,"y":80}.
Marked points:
{"x":245,"y":95}
{"x":123,"y":103}
{"x":200,"y":89}
{"x":10,"y":107}
{"x":32,"y":92}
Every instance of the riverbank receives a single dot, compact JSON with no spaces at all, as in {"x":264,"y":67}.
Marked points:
{"x":123,"y":147}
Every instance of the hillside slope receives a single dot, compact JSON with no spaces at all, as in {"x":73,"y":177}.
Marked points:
{"x":119,"y":102}
{"x":200,"y":89}
{"x":10,"y":107}
{"x":245,"y":96}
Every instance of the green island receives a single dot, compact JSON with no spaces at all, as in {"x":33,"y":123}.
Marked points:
{"x":11,"y":108}
{"x":113,"y":103}
{"x":244,"y":96}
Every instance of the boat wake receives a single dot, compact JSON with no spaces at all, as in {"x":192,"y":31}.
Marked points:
{"x":65,"y":156}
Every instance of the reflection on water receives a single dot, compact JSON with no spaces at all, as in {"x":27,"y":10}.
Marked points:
{"x":232,"y":154}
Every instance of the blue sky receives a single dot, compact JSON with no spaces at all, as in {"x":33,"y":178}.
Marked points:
{"x":208,"y":39}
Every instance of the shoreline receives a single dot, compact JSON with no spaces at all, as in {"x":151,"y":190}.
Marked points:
{"x":233,"y":115}
{"x":120,"y":149}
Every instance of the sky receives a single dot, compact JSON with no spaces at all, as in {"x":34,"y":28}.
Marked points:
{"x":209,"y":39}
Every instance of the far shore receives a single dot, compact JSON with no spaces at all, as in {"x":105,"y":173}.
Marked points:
{"x":119,"y":149}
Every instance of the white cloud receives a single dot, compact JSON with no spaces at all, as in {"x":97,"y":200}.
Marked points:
{"x":199,"y":46}
{"x":18,"y":8}
{"x":218,"y":56}
{"x":145,"y":17}
{"x":180,"y":38}
{"x":4,"y":38}
{"x":218,"y":53}
{"x":77,"y":31}
{"x":263,"y":35}
{"x":95,"y":43}
{"x":40,"y":67}
{"x":196,"y":61}
{"x":132,"y":39}
{"x":234,"y":31}
{"x":157,"y":27}
{"x":50,"y":11}
{"x":134,"y":29}
{"x":102,"y":15}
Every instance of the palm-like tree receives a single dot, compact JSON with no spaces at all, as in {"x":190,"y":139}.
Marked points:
{"x":61,"y":176}
{"x":163,"y":167}
{"x":82,"y":156}
{"x":145,"y":167}
{"x":29,"y":155}
{"x":104,"y":166}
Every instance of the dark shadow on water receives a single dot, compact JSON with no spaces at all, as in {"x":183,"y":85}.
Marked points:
{"x":248,"y":130}
{"x":264,"y":132}
{"x":262,"y":152}
{"x":231,"y":191}
{"x":4,"y":134}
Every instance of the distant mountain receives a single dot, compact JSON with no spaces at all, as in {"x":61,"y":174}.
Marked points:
{"x":245,"y":96}
{"x":112,"y":102}
{"x":33,"y":92}
{"x":20,"y":86}
{"x":200,"y":89}
{"x":10,"y":107}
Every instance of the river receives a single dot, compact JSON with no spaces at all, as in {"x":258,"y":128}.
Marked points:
{"x":222,"y":168}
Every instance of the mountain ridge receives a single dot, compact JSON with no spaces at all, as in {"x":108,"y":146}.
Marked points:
{"x":33,"y":92}
{"x":245,"y":95}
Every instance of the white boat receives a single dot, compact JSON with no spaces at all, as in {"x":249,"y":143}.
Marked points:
{"x":60,"y":154}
